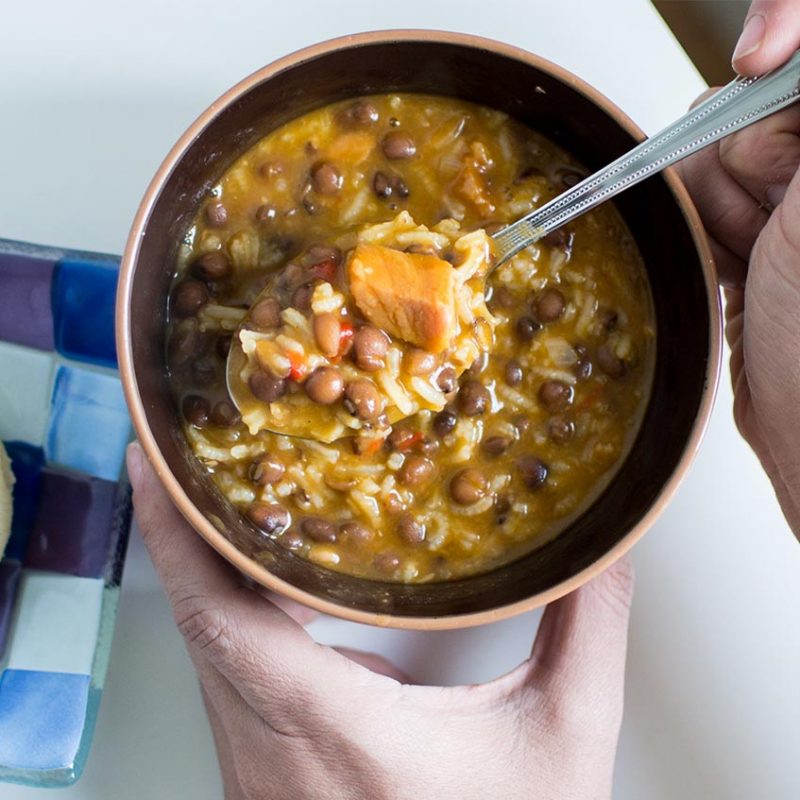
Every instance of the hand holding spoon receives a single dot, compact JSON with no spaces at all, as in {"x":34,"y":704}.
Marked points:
{"x":737,"y":105}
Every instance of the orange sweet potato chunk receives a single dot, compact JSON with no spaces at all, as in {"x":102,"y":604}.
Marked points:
{"x":410,"y":295}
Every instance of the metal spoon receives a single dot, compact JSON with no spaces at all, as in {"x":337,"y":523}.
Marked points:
{"x":739,"y":104}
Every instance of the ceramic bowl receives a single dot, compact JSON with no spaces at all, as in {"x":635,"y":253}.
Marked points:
{"x":549,"y":100}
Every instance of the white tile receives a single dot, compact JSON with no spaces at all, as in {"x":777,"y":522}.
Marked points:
{"x":57,"y":622}
{"x":25,"y":377}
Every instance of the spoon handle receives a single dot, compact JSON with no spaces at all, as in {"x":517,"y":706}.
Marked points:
{"x":739,"y":104}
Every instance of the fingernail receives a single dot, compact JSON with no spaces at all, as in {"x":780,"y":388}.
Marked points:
{"x":134,"y":460}
{"x":751,"y":38}
{"x":775,"y":195}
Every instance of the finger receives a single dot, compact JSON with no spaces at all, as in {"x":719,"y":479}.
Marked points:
{"x":302,"y":615}
{"x":375,"y":663}
{"x":770,"y":35}
{"x":730,"y":214}
{"x":578,"y":658}
{"x":763,"y":158}
{"x":266,"y":656}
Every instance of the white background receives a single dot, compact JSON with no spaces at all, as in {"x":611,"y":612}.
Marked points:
{"x":92,"y":95}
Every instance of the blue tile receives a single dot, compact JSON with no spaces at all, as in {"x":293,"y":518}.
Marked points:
{"x":26,"y":464}
{"x":25,"y":315}
{"x":89,"y":424}
{"x":41,"y":718}
{"x":73,"y":526}
{"x":9,"y":580}
{"x":83,"y":310}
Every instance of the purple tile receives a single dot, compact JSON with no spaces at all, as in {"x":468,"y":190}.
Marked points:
{"x":73,"y":526}
{"x":9,"y":580}
{"x":41,"y":719}
{"x":25,"y":312}
{"x":26,"y":464}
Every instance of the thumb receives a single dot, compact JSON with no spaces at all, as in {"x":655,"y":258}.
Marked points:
{"x":770,"y":35}
{"x":578,"y":658}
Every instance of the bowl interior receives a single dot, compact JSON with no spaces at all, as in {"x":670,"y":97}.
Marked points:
{"x":549,"y":103}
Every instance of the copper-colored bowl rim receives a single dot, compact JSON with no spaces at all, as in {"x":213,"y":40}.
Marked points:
{"x":216,"y":539}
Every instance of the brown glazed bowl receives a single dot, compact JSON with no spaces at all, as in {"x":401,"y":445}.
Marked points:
{"x":549,"y":100}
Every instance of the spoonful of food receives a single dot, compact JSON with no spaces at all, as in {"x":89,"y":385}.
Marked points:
{"x":350,"y":338}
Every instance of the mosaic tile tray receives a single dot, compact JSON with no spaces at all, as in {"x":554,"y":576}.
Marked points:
{"x":64,"y":423}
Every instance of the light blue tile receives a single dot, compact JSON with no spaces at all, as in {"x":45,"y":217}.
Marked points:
{"x":41,"y":719}
{"x":89,"y":424}
{"x":57,"y":623}
{"x":24,"y":393}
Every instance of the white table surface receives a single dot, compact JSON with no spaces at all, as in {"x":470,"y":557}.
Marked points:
{"x":93,"y":94}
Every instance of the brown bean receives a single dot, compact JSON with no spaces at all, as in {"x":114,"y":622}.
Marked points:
{"x":328,"y":333}
{"x":370,"y":346}
{"x":382,"y":184}
{"x":318,"y":253}
{"x":532,"y":470}
{"x":560,"y":430}
{"x":216,"y":215}
{"x":362,"y":399}
{"x":468,"y":486}
{"x":555,"y":395}
{"x":396,"y":145}
{"x":269,"y":169}
{"x":386,"y":562}
{"x":583,"y":366}
{"x":266,"y":313}
{"x":269,"y":517}
{"x":188,"y":298}
{"x":521,"y":423}
{"x":526,"y":328}
{"x":421,"y":249}
{"x":610,"y":363}
{"x":326,"y":178}
{"x":301,"y":298}
{"x":410,"y":528}
{"x":447,"y":380}
{"x":502,"y":297}
{"x":360,"y":114}
{"x":495,"y":445}
{"x":266,"y":469}
{"x":399,"y":187}
{"x":186,"y":345}
{"x":266,"y":386}
{"x":479,"y":364}
{"x":195,"y":410}
{"x":549,"y":305}
{"x":224,"y":414}
{"x":266,"y":213}
{"x":473,"y":398}
{"x":401,"y":437}
{"x":212,"y":266}
{"x":429,"y":446}
{"x":444,"y":422}
{"x":419,"y":362}
{"x":416,"y":470}
{"x":557,"y":238}
{"x":325,"y":385}
{"x":513,"y":372}
{"x":356,"y":532}
{"x":319,"y":529}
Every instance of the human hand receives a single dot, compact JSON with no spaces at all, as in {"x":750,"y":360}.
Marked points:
{"x":748,"y":194}
{"x":293,"y":719}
